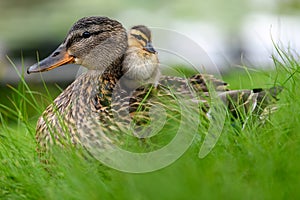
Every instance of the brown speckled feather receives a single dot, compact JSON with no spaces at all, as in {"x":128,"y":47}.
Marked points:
{"x":96,"y":111}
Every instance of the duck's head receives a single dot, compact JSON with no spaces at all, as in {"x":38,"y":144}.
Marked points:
{"x":93,"y":42}
{"x":140,"y":36}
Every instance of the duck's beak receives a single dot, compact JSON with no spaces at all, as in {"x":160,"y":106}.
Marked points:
{"x":58,"y":58}
{"x":149,"y":47}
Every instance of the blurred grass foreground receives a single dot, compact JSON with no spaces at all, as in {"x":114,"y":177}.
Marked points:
{"x":258,"y":161}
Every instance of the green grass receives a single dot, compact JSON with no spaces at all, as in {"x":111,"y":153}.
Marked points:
{"x":257,"y":162}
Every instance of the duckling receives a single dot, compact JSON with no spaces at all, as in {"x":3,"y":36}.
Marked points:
{"x":140,"y":65}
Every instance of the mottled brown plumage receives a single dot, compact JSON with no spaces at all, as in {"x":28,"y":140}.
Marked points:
{"x":106,"y":40}
{"x":95,"y":110}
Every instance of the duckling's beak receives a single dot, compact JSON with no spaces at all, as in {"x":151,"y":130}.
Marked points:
{"x":58,"y":58}
{"x":149,"y":47}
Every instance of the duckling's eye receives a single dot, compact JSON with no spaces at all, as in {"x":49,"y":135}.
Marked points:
{"x":86,"y":34}
{"x":139,"y":37}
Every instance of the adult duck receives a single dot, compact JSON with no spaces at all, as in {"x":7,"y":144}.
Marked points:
{"x":100,"y":44}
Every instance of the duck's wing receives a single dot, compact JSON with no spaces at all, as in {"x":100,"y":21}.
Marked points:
{"x":202,"y":82}
{"x":256,"y":101}
{"x":173,"y":102}
{"x":199,"y":82}
{"x":126,"y":107}
{"x":200,"y":88}
{"x":240,"y":104}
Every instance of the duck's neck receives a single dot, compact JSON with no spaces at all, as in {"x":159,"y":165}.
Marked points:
{"x":115,"y":70}
{"x":107,"y":83}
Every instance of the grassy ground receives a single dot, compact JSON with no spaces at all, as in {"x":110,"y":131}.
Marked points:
{"x":258,"y":162}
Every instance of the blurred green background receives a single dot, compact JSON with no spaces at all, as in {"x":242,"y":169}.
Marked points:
{"x":230,"y":31}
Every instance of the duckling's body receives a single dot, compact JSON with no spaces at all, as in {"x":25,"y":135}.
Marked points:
{"x":140,"y":65}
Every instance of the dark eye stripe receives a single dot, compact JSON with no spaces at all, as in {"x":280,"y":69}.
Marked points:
{"x":87,"y":34}
{"x":84,"y":35}
{"x":139,"y":37}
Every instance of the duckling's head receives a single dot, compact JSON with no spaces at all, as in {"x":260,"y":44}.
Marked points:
{"x":93,"y":42}
{"x":140,"y":37}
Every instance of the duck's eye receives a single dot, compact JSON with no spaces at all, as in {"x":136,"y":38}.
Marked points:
{"x":86,"y":34}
